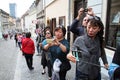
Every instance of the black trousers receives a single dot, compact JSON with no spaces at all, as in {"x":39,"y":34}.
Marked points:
{"x":62,"y":75}
{"x":43,"y":60}
{"x":29,"y":60}
{"x":46,"y":63}
{"x":49,"y":65}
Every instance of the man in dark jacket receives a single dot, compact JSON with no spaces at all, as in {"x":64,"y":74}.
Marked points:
{"x":78,"y":29}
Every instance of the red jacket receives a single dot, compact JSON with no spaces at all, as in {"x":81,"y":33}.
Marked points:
{"x":28,"y":46}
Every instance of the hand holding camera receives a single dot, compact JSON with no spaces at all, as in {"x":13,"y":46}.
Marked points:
{"x":81,"y":11}
{"x":49,"y":40}
{"x":85,"y":10}
{"x":53,"y":42}
{"x":71,"y":57}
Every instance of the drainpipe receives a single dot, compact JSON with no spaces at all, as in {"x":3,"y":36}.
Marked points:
{"x":69,"y":18}
{"x":69,"y":13}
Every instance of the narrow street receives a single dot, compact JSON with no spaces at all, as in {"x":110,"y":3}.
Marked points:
{"x":13,"y":65}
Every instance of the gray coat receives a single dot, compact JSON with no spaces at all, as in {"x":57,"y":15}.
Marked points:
{"x":90,"y":52}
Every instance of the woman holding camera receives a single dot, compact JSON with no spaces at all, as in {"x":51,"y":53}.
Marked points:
{"x":45,"y":61}
{"x":91,"y":48}
{"x":59,"y":48}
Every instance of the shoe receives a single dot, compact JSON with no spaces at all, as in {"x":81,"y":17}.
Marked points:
{"x":23,"y":54}
{"x":38,"y":54}
{"x":32,"y":68}
{"x":49,"y":78}
{"x":43,"y":72}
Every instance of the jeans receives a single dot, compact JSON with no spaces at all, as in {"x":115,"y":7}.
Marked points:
{"x":38,"y":48}
{"x":19,"y":44}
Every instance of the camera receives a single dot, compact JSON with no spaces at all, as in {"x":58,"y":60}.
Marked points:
{"x":85,"y":10}
{"x":49,"y":40}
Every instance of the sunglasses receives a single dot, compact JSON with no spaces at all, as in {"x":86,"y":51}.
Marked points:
{"x":47,"y":33}
{"x":94,"y":17}
{"x":86,"y":20}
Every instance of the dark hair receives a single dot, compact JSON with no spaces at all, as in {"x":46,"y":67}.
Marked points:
{"x":47,"y":28}
{"x":62,"y":28}
{"x":28,"y":35}
{"x":50,"y":33}
{"x":98,"y":22}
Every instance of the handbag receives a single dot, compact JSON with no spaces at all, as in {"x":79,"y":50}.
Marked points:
{"x":65,"y":66}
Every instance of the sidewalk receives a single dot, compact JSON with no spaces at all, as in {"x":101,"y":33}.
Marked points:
{"x":23,"y":73}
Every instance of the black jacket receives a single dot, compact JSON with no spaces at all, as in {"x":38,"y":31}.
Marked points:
{"x":116,"y":58}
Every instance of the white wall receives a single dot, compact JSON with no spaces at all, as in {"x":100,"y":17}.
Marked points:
{"x":27,"y":22}
{"x":32,"y":26}
{"x":57,"y":9}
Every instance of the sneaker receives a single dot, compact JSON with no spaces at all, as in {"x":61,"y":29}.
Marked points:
{"x":43,"y":72}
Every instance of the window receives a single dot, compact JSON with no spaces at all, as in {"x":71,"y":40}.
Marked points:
{"x":62,"y":21}
{"x":113,"y":27}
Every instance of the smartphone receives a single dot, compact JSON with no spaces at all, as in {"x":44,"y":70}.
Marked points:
{"x":75,"y":53}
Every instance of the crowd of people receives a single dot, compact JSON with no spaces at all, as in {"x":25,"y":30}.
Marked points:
{"x":56,"y":53}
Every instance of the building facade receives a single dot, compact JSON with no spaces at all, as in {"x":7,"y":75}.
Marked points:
{"x":57,"y":13}
{"x":28,"y":20}
{"x":62,"y":12}
{"x":4,"y":22}
{"x":40,"y":13}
